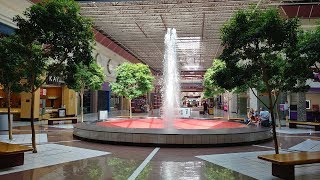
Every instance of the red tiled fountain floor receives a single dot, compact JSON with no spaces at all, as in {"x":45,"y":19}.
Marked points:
{"x":157,"y":123}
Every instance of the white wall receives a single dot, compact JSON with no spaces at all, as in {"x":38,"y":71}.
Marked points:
{"x":109,"y":60}
{"x":11,"y":8}
{"x":313,"y":84}
{"x":253,"y":100}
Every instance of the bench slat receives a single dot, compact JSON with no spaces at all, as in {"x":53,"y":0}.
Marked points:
{"x":305,"y":123}
{"x":6,"y":148}
{"x":61,"y":119}
{"x":292,"y":158}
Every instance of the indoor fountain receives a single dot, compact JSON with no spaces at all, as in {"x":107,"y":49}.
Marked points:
{"x":170,"y":129}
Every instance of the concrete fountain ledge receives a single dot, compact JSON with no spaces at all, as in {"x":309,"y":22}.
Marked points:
{"x":175,"y":137}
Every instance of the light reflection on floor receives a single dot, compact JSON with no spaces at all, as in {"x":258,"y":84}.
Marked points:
{"x":168,"y":163}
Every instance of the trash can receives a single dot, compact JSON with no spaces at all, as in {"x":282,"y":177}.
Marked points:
{"x":4,"y":126}
{"x":103,"y":115}
{"x":61,"y":112}
{"x":210,"y":111}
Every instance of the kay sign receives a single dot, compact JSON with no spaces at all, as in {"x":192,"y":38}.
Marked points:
{"x":54,"y":80}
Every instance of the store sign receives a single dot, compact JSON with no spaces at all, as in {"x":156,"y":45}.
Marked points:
{"x":43,"y":92}
{"x":54,"y":80}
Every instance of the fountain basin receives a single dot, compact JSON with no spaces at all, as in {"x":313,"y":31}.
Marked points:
{"x":149,"y":131}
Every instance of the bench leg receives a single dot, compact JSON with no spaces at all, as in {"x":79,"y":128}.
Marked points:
{"x":11,"y":160}
{"x":283,"y":171}
{"x":317,"y":128}
{"x":292,"y":125}
{"x":74,"y":121}
{"x":50,"y":122}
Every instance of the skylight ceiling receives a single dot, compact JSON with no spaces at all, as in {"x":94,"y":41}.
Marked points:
{"x":140,"y":26}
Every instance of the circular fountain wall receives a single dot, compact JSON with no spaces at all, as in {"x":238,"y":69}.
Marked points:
{"x":187,"y":132}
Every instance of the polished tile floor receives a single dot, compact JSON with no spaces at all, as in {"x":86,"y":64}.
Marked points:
{"x":62,"y":156}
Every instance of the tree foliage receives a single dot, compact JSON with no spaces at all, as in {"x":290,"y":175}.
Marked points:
{"x":81,"y":76}
{"x":261,"y":52}
{"x":66,"y":37}
{"x":12,"y":63}
{"x":309,"y":47}
{"x":261,"y":48}
{"x":58,"y":38}
{"x":211,"y":88}
{"x":133,"y":80}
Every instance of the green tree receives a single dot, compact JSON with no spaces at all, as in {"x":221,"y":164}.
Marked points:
{"x":12,"y":62}
{"x":309,"y":48}
{"x":81,"y":76}
{"x":133,"y":80}
{"x":261,"y":52}
{"x":211,"y":88}
{"x":65,"y":38}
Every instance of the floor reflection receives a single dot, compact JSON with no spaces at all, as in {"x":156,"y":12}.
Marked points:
{"x":98,"y":168}
{"x":215,"y":172}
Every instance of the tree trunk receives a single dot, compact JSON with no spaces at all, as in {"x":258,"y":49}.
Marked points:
{"x":9,"y":112}
{"x":283,"y":101}
{"x":277,"y":109}
{"x":275,"y":140}
{"x":81,"y":103}
{"x":130,"y":111}
{"x":32,"y":117}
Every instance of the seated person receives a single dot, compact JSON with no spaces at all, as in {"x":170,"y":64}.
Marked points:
{"x":252,"y":117}
{"x":264,"y":117}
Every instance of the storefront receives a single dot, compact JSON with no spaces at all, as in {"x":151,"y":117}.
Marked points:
{"x":312,"y":105}
{"x":15,"y":104}
{"x":51,"y":97}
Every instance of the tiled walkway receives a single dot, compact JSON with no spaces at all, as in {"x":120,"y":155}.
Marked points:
{"x":61,"y":156}
{"x":52,"y":154}
{"x":248,"y":164}
{"x":24,"y":138}
{"x":307,"y":145}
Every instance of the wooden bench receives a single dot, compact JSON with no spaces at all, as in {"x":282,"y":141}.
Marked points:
{"x":293,"y":124}
{"x":283,"y":164}
{"x":12,"y":154}
{"x":73,"y":119}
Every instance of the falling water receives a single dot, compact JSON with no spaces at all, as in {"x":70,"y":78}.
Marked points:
{"x":171,"y":85}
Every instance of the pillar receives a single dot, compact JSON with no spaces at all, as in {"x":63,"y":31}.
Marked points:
{"x":253,"y":100}
{"x":26,"y":105}
{"x":94,"y":101}
{"x":70,"y":101}
{"x":301,"y":109}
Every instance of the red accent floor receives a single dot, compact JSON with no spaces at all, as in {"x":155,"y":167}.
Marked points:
{"x":157,"y":123}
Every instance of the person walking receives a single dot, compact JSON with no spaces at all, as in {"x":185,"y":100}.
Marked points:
{"x":205,"y":107}
{"x":286,"y":110}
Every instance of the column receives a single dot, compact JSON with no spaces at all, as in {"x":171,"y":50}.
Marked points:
{"x":94,"y":101}
{"x":70,"y":101}
{"x":26,"y":105}
{"x":253,"y":100}
{"x":301,"y":109}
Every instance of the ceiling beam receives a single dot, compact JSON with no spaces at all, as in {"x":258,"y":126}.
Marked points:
{"x":203,"y":21}
{"x":163,"y":22}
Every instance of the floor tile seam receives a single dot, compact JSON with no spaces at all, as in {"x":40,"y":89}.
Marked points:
{"x":136,"y":173}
